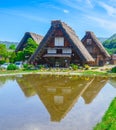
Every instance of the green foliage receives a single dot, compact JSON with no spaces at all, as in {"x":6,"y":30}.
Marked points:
{"x":28,"y":67}
{"x":30,"y":48}
{"x":3,"y":51}
{"x":74,"y":67}
{"x":12,"y":57}
{"x":2,"y":62}
{"x":110,"y":45}
{"x":20,"y":56}
{"x":109,"y":119}
{"x":12,"y":67}
{"x":12,"y":47}
{"x":113,"y":69}
{"x":25,"y":66}
{"x":25,"y":53}
{"x":40,"y":66}
{"x":86,"y":66}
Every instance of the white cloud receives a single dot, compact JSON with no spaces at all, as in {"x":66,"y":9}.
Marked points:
{"x":89,"y":3}
{"x":66,"y":11}
{"x":79,"y":4}
{"x":110,"y":9}
{"x":104,"y":23}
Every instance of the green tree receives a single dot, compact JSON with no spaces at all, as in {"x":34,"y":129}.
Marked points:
{"x":12,"y":47}
{"x":25,"y":53}
{"x":110,"y":45}
{"x":12,"y":57}
{"x":19,"y":56}
{"x":30,"y":48}
{"x":3,"y":52}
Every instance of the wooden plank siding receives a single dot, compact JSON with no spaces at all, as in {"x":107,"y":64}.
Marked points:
{"x":78,"y":55}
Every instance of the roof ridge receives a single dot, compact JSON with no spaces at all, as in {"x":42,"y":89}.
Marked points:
{"x":98,"y":43}
{"x":70,"y":29}
{"x":32,"y":33}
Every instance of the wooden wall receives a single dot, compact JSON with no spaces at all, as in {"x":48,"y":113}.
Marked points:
{"x":95,"y":52}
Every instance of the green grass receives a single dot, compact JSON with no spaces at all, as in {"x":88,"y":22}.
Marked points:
{"x":60,"y":71}
{"x":109,"y":119}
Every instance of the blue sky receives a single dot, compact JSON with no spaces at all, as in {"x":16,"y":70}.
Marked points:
{"x":20,"y":16}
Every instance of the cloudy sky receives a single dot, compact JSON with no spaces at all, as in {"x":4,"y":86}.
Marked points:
{"x":20,"y":16}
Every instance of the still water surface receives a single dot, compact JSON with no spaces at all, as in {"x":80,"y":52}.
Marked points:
{"x":36,"y":102}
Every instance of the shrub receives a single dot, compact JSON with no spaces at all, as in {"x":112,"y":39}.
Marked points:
{"x":40,"y":66}
{"x":2,"y":62}
{"x":25,"y":66}
{"x":86,"y":67}
{"x":74,"y":67}
{"x":28,"y":67}
{"x":113,"y":69}
{"x":12,"y":67}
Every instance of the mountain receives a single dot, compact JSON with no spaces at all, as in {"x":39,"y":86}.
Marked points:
{"x":7,"y":43}
{"x":102,"y":39}
{"x":113,"y":37}
{"x":110,"y":44}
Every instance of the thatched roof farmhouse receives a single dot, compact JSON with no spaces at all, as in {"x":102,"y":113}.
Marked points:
{"x":37,"y":38}
{"x":95,"y":48}
{"x":60,"y":47}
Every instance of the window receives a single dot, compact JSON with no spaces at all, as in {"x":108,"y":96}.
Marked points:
{"x":67,"y":50}
{"x":50,"y":50}
{"x":58,"y":99}
{"x":59,"y":41}
{"x":89,"y":41}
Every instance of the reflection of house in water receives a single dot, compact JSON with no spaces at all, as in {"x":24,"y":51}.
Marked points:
{"x":4,"y":79}
{"x":58,"y":93}
{"x":26,"y":85}
{"x":94,"y":88}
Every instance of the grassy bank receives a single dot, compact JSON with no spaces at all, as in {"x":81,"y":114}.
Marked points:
{"x":58,"y":71}
{"x":109,"y":119}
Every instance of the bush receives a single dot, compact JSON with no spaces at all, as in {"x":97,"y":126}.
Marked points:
{"x":113,"y":69}
{"x":12,"y":67}
{"x":28,"y":67}
{"x":40,"y":66}
{"x":25,"y":66}
{"x":2,"y":62}
{"x":86,"y":67}
{"x":74,"y":67}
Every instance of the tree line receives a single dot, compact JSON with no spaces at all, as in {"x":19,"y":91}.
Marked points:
{"x":9,"y":55}
{"x":110,"y":46}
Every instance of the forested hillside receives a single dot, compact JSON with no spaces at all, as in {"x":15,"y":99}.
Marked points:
{"x":110,"y":44}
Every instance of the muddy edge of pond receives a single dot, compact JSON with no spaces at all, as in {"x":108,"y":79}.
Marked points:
{"x":61,"y":73}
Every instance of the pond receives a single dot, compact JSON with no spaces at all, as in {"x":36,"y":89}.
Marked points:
{"x":47,"y":102}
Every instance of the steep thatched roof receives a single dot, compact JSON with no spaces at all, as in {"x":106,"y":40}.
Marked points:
{"x":91,"y":35}
{"x":37,"y":38}
{"x":94,"y":88}
{"x":71,"y":37}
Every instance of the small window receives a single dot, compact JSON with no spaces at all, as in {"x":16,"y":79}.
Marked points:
{"x":67,"y":50}
{"x":51,"y":51}
{"x":59,"y":41}
{"x":58,"y":99}
{"x":89,"y":41}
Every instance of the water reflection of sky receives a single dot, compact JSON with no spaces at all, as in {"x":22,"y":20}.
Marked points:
{"x":53,"y":103}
